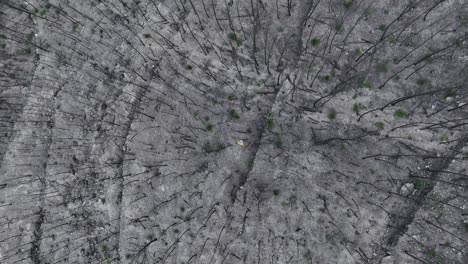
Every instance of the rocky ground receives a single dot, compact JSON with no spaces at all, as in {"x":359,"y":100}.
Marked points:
{"x":119,"y":122}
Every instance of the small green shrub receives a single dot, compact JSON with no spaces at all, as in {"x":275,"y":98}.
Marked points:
{"x":209,"y":127}
{"x":356,"y":107}
{"x":314,"y":41}
{"x":233,"y":114}
{"x":380,"y":125}
{"x":231,"y":97}
{"x":449,"y":94}
{"x":400,"y":113}
{"x":233,"y":37}
{"x":146,"y":35}
{"x":74,"y":27}
{"x":382,"y":27}
{"x":326,"y":77}
{"x":278,"y":143}
{"x":420,"y":184}
{"x":276,"y":192}
{"x":269,"y":123}
{"x":382,"y":68}
{"x":420,"y":81}
{"x":332,"y":115}
{"x":357,"y":51}
{"x":339,"y":27}
{"x":444,"y":138}
{"x":430,"y":252}
{"x":348,"y":4}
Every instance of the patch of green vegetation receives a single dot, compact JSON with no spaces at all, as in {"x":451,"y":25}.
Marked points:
{"x":332,"y":115}
{"x":182,"y":209}
{"x":215,"y":102}
{"x":420,"y":81}
{"x":397,"y":77}
{"x":3,"y":45}
{"x":430,"y":252}
{"x":362,"y":83}
{"x":323,"y":210}
{"x":348,"y":4}
{"x":356,"y":107}
{"x":278,"y":143}
{"x":400,"y":113}
{"x":270,"y":124}
{"x":209,"y":127}
{"x":449,"y":94}
{"x":28,"y":51}
{"x":357,"y":51}
{"x":250,"y":164}
{"x":146,"y":35}
{"x":314,"y":41}
{"x":382,"y":27}
{"x":207,"y":118}
{"x":342,"y":147}
{"x":339,"y":27}
{"x":231,"y":97}
{"x":344,"y":241}
{"x":219,"y":147}
{"x":396,"y":59}
{"x":444,"y":138}
{"x":276,"y":192}
{"x":420,"y":184}
{"x":74,"y":27}
{"x":156,"y":173}
{"x":463,"y":20}
{"x":466,"y":228}
{"x":368,"y":12}
{"x":382,"y":68}
{"x":195,"y":114}
{"x":258,"y":84}
{"x":293,"y":197}
{"x":3,"y":36}
{"x":280,"y":29}
{"x":386,"y":12}
{"x":233,"y":37}
{"x":330,"y":238}
{"x":29,"y":37}
{"x":23,"y":6}
{"x":176,"y":230}
{"x":233,"y":114}
{"x":380,"y":124}
{"x":188,"y":67}
{"x":326,"y":77}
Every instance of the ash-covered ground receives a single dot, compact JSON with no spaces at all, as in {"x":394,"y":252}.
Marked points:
{"x":119,"y":122}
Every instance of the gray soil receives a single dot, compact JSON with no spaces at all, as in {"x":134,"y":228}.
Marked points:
{"x":119,"y":123}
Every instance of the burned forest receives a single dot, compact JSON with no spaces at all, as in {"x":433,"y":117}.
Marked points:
{"x":234,"y":131}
